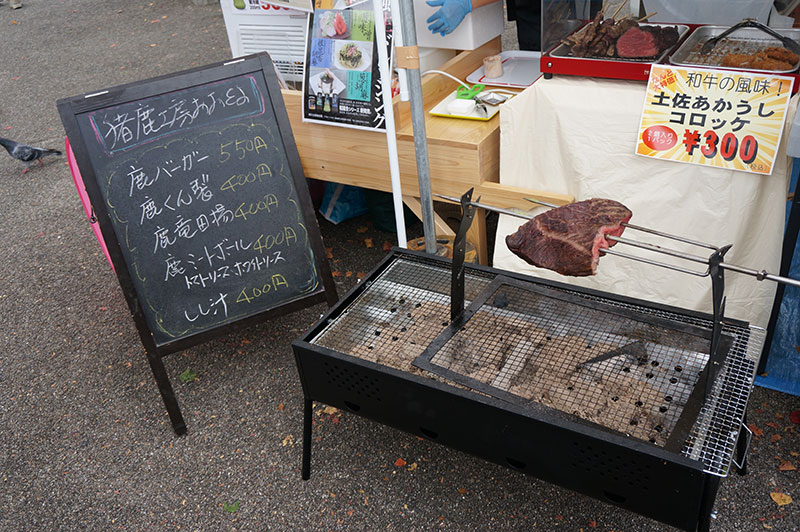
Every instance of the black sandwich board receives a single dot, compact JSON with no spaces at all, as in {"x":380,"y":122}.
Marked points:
{"x":197,"y":186}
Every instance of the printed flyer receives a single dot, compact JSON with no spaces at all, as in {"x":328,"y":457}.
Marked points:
{"x":342,"y":84}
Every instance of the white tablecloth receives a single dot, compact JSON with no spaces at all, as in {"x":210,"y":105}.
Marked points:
{"x":577,"y":136}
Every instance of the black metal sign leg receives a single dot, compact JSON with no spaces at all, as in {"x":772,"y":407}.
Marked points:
{"x":307,"y":411}
{"x":167,"y":394}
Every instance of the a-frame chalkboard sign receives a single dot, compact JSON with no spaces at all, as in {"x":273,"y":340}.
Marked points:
{"x":197,"y":186}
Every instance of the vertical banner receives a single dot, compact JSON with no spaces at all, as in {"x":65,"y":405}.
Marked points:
{"x":727,"y":119}
{"x":341,"y":84}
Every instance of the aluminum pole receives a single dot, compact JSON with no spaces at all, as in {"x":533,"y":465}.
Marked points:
{"x":418,"y":123}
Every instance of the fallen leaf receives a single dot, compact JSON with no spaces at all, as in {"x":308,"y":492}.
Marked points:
{"x":756,"y":431}
{"x":337,"y":274}
{"x":400,"y":462}
{"x":368,"y":243}
{"x":329,"y":252}
{"x":795,"y":416}
{"x":772,"y":424}
{"x":152,"y":45}
{"x":15,"y":78}
{"x":281,"y":407}
{"x":787,"y":466}
{"x":288,"y":440}
{"x":231,"y":508}
{"x":794,"y":453}
{"x":330,"y":410}
{"x":774,"y":438}
{"x":462,"y":491}
{"x":187,"y":376}
{"x":765,"y":525}
{"x":781,"y":499}
{"x":412,"y":466}
{"x":348,"y":274}
{"x":246,"y":341}
{"x":361,"y":275}
{"x":559,"y":517}
{"x":797,"y":348}
{"x":593,"y":523}
{"x":387,"y":246}
{"x":349,"y":513}
{"x":362,"y":229}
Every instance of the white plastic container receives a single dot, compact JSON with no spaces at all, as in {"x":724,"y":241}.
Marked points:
{"x":261,"y":27}
{"x":480,"y":26}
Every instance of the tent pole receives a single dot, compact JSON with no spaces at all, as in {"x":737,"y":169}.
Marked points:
{"x":418,"y":122}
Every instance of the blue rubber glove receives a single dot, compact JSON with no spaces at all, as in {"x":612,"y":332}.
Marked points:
{"x":449,"y":15}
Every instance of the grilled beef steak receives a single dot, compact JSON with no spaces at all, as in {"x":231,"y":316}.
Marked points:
{"x":636,"y":43}
{"x":568,"y":239}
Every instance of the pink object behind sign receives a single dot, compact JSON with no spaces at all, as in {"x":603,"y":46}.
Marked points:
{"x":87,"y":205}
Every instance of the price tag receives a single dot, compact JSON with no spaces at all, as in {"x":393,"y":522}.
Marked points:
{"x":721,"y":118}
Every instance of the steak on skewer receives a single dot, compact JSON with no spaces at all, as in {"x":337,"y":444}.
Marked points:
{"x":568,"y":239}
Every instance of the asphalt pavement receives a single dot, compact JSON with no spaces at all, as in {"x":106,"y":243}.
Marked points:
{"x":85,"y":442}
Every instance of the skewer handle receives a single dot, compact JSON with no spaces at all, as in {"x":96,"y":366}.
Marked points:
{"x":654,"y":13}
{"x":760,"y":275}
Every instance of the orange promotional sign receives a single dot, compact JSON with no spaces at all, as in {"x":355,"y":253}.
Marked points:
{"x":721,"y":118}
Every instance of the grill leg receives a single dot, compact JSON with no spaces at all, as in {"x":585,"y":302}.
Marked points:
{"x":710,"y":487}
{"x":741,"y":447}
{"x":307,"y":411}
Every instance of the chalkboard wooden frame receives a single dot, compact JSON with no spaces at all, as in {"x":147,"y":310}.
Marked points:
{"x":258,"y":65}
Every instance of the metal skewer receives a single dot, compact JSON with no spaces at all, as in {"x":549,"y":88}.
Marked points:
{"x":760,"y":275}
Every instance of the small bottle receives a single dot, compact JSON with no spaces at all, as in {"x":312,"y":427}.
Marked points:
{"x":319,"y":100}
{"x":335,"y":103}
{"x":312,"y":103}
{"x":327,"y":106}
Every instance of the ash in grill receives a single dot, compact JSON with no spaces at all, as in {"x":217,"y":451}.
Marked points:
{"x":399,"y":316}
{"x":631,"y":373}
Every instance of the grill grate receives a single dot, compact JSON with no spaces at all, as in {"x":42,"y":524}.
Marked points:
{"x":410,"y":280}
{"x":623,"y":370}
{"x":729,"y":45}
{"x":401,"y":312}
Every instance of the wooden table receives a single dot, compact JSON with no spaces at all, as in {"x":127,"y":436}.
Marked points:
{"x":462,"y":153}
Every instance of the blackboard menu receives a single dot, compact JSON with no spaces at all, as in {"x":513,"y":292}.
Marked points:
{"x":200,"y":183}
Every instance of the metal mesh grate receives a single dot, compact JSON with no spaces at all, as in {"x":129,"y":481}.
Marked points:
{"x":727,"y":46}
{"x":713,"y":437}
{"x":400,"y":313}
{"x":415,"y":280}
{"x":627,"y":372}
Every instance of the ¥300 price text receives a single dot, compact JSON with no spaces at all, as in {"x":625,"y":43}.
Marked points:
{"x":729,"y":146}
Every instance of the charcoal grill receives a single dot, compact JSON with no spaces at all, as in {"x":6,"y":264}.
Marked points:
{"x":359,"y":357}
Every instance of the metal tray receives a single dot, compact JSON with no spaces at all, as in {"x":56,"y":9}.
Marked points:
{"x":563,"y":50}
{"x":744,"y":40}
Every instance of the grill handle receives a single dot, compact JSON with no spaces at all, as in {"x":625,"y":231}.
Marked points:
{"x":740,"y":465}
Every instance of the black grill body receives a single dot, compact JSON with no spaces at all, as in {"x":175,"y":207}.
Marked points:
{"x":676,"y":487}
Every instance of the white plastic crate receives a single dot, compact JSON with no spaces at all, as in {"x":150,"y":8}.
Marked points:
{"x":261,"y":27}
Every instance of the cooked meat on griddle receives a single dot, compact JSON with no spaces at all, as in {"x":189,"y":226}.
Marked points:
{"x":568,"y":239}
{"x":636,"y":43}
{"x":600,"y":38}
